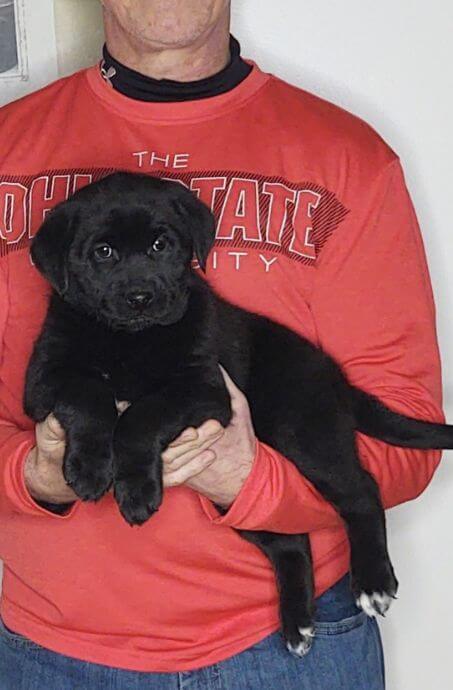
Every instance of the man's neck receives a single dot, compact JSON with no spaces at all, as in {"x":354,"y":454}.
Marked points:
{"x":206,"y":57}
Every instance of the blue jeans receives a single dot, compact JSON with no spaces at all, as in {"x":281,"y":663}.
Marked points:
{"x":346,"y":655}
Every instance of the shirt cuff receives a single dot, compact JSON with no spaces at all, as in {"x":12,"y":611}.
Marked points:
{"x":16,"y":451}
{"x":276,"y":498}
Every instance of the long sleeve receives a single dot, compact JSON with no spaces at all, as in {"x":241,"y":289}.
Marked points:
{"x":373,"y":310}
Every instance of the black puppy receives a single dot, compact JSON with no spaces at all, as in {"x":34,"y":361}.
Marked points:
{"x":129,"y":320}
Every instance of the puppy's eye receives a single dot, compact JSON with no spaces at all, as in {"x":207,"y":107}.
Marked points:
{"x":159,"y":245}
{"x":103,"y":252}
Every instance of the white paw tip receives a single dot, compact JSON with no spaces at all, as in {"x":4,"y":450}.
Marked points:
{"x":375,"y":603}
{"x":302,"y":647}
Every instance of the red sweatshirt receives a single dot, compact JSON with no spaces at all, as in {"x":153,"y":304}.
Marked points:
{"x":316,"y":230}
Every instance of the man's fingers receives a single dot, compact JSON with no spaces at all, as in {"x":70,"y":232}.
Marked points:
{"x":173,"y":458}
{"x":231,"y":386}
{"x":55,"y":429}
{"x":238,"y":399}
{"x":188,"y":435}
{"x":209,"y":432}
{"x":190,"y":469}
{"x":173,"y":461}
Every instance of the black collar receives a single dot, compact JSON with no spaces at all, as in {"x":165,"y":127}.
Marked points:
{"x":142,"y":88}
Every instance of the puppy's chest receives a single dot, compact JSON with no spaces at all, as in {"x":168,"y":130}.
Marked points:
{"x":132,"y":375}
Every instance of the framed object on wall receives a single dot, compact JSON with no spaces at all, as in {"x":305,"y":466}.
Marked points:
{"x":28,"y":55}
{"x":13,"y":49}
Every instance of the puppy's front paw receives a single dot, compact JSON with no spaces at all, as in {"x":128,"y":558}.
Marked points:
{"x":89,"y":470}
{"x":138,"y":497}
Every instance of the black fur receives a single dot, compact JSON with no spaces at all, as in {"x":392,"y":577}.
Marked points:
{"x":130,"y":320}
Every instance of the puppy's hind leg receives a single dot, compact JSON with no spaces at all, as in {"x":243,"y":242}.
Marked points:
{"x":373,"y":580}
{"x":290,"y":556}
{"x":355,"y":495}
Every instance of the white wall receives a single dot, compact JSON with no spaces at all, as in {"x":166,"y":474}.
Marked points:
{"x":391,"y":63}
{"x":79,"y":33}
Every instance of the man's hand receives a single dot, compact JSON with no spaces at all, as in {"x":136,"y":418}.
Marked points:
{"x":44,"y":466}
{"x":211,"y":460}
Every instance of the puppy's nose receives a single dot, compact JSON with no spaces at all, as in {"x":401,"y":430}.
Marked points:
{"x":138,"y":299}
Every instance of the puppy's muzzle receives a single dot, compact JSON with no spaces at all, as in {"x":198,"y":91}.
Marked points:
{"x":139,"y":300}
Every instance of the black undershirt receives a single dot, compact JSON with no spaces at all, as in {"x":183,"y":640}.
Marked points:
{"x":142,"y":88}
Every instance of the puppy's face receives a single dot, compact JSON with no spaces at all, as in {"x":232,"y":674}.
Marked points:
{"x":132,"y":270}
{"x":121,"y":250}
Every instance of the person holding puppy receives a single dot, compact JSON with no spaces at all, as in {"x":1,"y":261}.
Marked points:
{"x":315,"y":229}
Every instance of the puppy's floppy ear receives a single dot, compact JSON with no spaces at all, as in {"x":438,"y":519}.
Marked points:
{"x":50,"y":248}
{"x":200,"y":223}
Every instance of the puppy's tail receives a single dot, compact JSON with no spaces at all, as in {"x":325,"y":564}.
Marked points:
{"x":374,"y":419}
